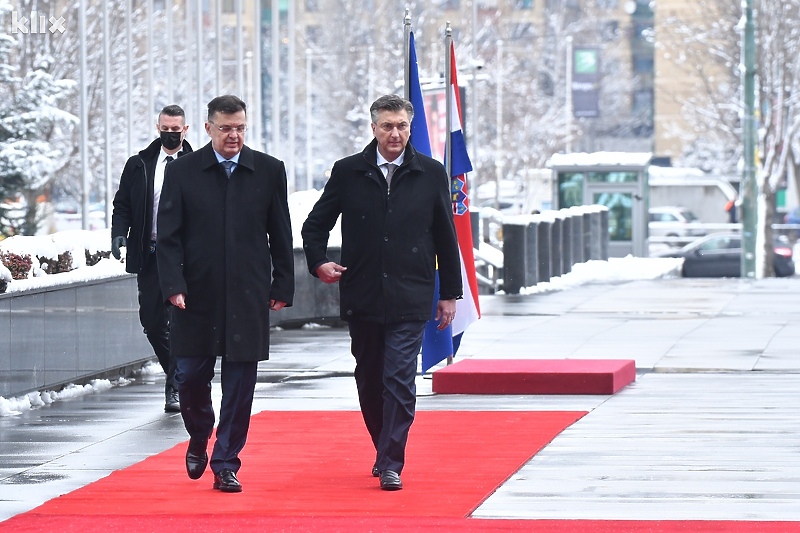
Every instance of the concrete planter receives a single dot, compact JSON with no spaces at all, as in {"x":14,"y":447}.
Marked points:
{"x":53,"y":336}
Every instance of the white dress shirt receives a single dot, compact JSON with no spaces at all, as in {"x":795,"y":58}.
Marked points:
{"x":158,"y":182}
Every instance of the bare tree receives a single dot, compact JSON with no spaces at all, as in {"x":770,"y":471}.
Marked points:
{"x":712,"y":53}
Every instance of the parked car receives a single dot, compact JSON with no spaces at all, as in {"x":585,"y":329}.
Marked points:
{"x":719,"y":255}
{"x":671,"y":221}
{"x":793,"y":217}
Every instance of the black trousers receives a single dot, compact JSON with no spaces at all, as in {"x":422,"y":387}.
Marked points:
{"x":193,"y":378}
{"x":386,"y":367}
{"x":154,"y":315}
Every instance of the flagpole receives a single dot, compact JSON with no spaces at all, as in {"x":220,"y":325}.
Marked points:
{"x":448,"y":98}
{"x":448,"y":103}
{"x":407,"y":66}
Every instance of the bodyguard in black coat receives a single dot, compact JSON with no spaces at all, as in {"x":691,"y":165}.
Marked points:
{"x":226,"y":258}
{"x":132,"y":227}
{"x":397,"y":220}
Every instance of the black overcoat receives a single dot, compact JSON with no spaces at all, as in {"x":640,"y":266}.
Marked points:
{"x":227,"y":245}
{"x":133,"y":204}
{"x":390,"y":239}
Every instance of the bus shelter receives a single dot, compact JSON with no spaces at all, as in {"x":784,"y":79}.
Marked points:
{"x":617,"y":180}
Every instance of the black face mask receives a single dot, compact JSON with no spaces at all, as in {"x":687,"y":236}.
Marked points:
{"x":170,"y":139}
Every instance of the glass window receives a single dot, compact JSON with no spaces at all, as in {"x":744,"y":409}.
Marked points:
{"x":721,"y":243}
{"x":523,"y":4}
{"x":620,"y":214}
{"x":613,"y":177}
{"x":313,"y":33}
{"x":609,"y":30}
{"x":570,"y":189}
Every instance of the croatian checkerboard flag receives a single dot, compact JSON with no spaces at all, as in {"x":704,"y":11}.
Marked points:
{"x":436,"y":345}
{"x":468,"y":309}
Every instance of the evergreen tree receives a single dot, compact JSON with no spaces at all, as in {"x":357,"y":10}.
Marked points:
{"x":34,"y":131}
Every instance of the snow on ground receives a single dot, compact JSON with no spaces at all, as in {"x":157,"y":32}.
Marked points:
{"x":34,"y":400}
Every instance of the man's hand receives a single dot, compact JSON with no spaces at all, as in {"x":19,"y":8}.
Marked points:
{"x":330,"y":272}
{"x":275,"y":305}
{"x":445,"y":313}
{"x":117,"y":243}
{"x":178,"y":300}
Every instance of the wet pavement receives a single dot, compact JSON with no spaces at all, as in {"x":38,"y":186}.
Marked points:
{"x":709,"y":429}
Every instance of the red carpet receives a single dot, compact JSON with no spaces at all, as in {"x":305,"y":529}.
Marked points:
{"x":318,"y":464}
{"x":534,"y":376}
{"x":224,"y":523}
{"x":310,"y":471}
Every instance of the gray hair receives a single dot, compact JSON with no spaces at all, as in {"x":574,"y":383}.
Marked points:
{"x":390,"y":102}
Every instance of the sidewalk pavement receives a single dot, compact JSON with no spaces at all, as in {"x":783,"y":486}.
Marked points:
{"x":709,"y":429}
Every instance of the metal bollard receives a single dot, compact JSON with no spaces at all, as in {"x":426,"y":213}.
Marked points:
{"x":595,"y":234}
{"x":531,"y":252}
{"x":556,"y":246}
{"x":544,"y":230}
{"x":566,"y":245}
{"x":513,"y":256}
{"x":604,"y":233}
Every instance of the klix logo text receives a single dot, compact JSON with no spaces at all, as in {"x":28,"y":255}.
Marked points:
{"x":36,"y":23}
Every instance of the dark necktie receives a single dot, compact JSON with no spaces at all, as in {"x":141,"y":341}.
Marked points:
{"x":228,"y":167}
{"x":390,"y":168}
{"x":169,"y":159}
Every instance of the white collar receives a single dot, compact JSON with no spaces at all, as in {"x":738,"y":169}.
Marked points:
{"x":382,"y":160}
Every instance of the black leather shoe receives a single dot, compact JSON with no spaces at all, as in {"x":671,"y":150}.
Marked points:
{"x":226,"y":481}
{"x":375,"y":471}
{"x":390,"y":480}
{"x":172,"y":405}
{"x":196,"y":458}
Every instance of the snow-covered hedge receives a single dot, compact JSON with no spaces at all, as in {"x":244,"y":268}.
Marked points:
{"x":28,"y":262}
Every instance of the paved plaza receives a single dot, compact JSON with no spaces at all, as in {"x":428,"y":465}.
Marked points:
{"x":709,"y":429}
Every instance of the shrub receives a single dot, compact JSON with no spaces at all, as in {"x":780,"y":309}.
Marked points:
{"x":62,"y":264}
{"x":93,"y":259}
{"x":18,"y":265}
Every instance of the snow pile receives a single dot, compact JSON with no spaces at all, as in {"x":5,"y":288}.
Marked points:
{"x":616,"y":269}
{"x":16,"y":406}
{"x":33,"y":400}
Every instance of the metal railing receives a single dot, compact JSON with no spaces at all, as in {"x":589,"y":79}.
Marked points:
{"x":792,"y":231}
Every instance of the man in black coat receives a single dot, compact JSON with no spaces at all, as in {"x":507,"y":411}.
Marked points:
{"x":226,"y":259}
{"x":397,"y":221}
{"x":133,"y":227}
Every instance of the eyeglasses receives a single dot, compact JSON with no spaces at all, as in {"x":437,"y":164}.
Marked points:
{"x":388,"y":126}
{"x":227,"y":129}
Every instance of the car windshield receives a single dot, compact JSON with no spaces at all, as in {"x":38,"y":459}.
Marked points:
{"x":689,"y":216}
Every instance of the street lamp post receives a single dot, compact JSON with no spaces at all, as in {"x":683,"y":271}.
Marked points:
{"x":749,"y":187}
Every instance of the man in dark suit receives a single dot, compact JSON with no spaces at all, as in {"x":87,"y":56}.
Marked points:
{"x":226,"y":258}
{"x":397,"y":220}
{"x":133,"y":227}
